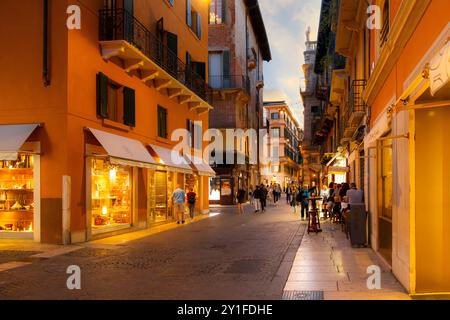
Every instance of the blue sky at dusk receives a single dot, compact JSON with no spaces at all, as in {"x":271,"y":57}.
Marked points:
{"x":286,"y":23}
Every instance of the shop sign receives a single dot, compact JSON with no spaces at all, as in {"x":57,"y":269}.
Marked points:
{"x":338,"y":169}
{"x":440,"y":69}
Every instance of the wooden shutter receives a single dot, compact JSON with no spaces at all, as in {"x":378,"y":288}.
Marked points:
{"x":162,"y":122}
{"x":172,"y":44}
{"x":129,"y":107}
{"x":188,"y":13}
{"x":226,"y":69}
{"x":189,"y":127}
{"x":224,"y":11}
{"x":102,"y":95}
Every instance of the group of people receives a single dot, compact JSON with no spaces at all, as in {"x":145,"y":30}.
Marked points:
{"x":338,"y":199}
{"x":179,"y":199}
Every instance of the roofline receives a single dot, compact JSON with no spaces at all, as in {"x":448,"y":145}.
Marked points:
{"x":254,"y":12}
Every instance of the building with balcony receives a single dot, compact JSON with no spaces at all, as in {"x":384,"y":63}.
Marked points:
{"x":392,"y":104}
{"x":89,"y":115}
{"x":284,"y":157}
{"x":238,"y":47}
{"x":312,"y":116}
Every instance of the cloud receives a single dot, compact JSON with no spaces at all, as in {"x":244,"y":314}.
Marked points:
{"x":286,"y":22}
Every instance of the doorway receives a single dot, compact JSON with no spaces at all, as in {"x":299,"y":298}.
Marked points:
{"x":385,"y":199}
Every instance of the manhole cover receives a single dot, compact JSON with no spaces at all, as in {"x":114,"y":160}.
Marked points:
{"x":303,"y":295}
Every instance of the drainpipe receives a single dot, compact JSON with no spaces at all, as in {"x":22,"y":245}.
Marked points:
{"x":45,"y":62}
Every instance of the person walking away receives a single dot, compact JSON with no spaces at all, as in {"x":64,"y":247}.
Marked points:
{"x":240,"y":200}
{"x":294,"y":201}
{"x":278,"y":188}
{"x":256,"y":197}
{"x":263,"y":198}
{"x":288,"y":194}
{"x":192,"y":199}
{"x":178,"y":199}
{"x":250,"y":195}
{"x":304,"y":203}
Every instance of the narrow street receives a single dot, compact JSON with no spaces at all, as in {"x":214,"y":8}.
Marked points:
{"x":226,"y":256}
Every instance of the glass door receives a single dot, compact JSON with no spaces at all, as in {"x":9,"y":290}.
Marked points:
{"x":385,"y":200}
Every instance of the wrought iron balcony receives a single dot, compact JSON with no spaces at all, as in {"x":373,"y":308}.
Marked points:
{"x":122,"y":35}
{"x":228,"y":82}
{"x":357,"y":104}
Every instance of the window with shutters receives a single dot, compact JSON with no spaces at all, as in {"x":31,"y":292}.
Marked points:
{"x":115,"y":102}
{"x":162,"y":122}
{"x":193,"y":19}
{"x":217,"y":12}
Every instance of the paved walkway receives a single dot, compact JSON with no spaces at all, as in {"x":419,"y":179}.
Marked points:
{"x":326,"y":262}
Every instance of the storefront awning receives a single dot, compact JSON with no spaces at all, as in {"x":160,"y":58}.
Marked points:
{"x":124,"y":151}
{"x":12,"y":137}
{"x":202,"y":167}
{"x":172,"y":159}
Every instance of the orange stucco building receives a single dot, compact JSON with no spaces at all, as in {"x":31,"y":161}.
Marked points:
{"x":404,"y":64}
{"x":87,"y":114}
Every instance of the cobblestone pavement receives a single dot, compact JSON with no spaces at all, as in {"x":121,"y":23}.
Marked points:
{"x":227,"y":256}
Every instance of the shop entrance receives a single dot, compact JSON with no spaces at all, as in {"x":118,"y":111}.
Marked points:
{"x":385,"y":199}
{"x":432,"y":200}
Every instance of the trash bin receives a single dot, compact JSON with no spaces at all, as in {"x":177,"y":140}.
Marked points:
{"x":358,"y":222}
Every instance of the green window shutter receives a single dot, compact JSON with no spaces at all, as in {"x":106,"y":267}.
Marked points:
{"x":188,"y":13}
{"x":226,"y":69}
{"x":199,"y":25}
{"x":102,"y":95}
{"x":224,"y":11}
{"x":129,"y":107}
{"x":162,"y":122}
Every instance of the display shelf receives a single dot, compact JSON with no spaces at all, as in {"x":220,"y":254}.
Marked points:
{"x":16,"y":190}
{"x":12,"y":211}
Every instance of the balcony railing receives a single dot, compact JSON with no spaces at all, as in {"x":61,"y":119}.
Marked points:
{"x":229,"y":82}
{"x":357,"y":103}
{"x":119,"y":24}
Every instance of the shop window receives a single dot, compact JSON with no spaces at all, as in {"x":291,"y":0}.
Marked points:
{"x":275,"y":115}
{"x":111,"y":195}
{"x":217,"y":12}
{"x":158,"y":196}
{"x":115,"y":102}
{"x":162,"y":122}
{"x":386,"y":179}
{"x":214,"y":189}
{"x":17,"y":195}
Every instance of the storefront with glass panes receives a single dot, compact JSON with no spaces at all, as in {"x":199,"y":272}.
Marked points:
{"x":172,"y":170}
{"x":19,"y":183}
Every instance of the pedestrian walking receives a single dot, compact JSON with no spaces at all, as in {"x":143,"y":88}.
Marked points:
{"x":294,"y":202}
{"x":257,"y":197}
{"x":191,"y":199}
{"x":240,"y":200}
{"x":304,"y":203}
{"x":250,"y":195}
{"x":178,"y":200}
{"x":263,"y":198}
{"x":288,"y":194}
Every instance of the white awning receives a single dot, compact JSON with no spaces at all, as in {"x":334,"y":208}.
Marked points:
{"x":172,"y":159}
{"x":12,"y":137}
{"x":124,"y":151}
{"x":202,"y":167}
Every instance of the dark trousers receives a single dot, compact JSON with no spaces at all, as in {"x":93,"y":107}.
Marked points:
{"x":304,"y":210}
{"x":263,"y":204}
{"x":288,"y":198}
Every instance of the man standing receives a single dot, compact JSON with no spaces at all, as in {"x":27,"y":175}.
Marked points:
{"x":178,"y":199}
{"x":354,"y":195}
{"x":192,"y":199}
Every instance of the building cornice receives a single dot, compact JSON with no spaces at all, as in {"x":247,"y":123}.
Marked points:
{"x":409,"y":15}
